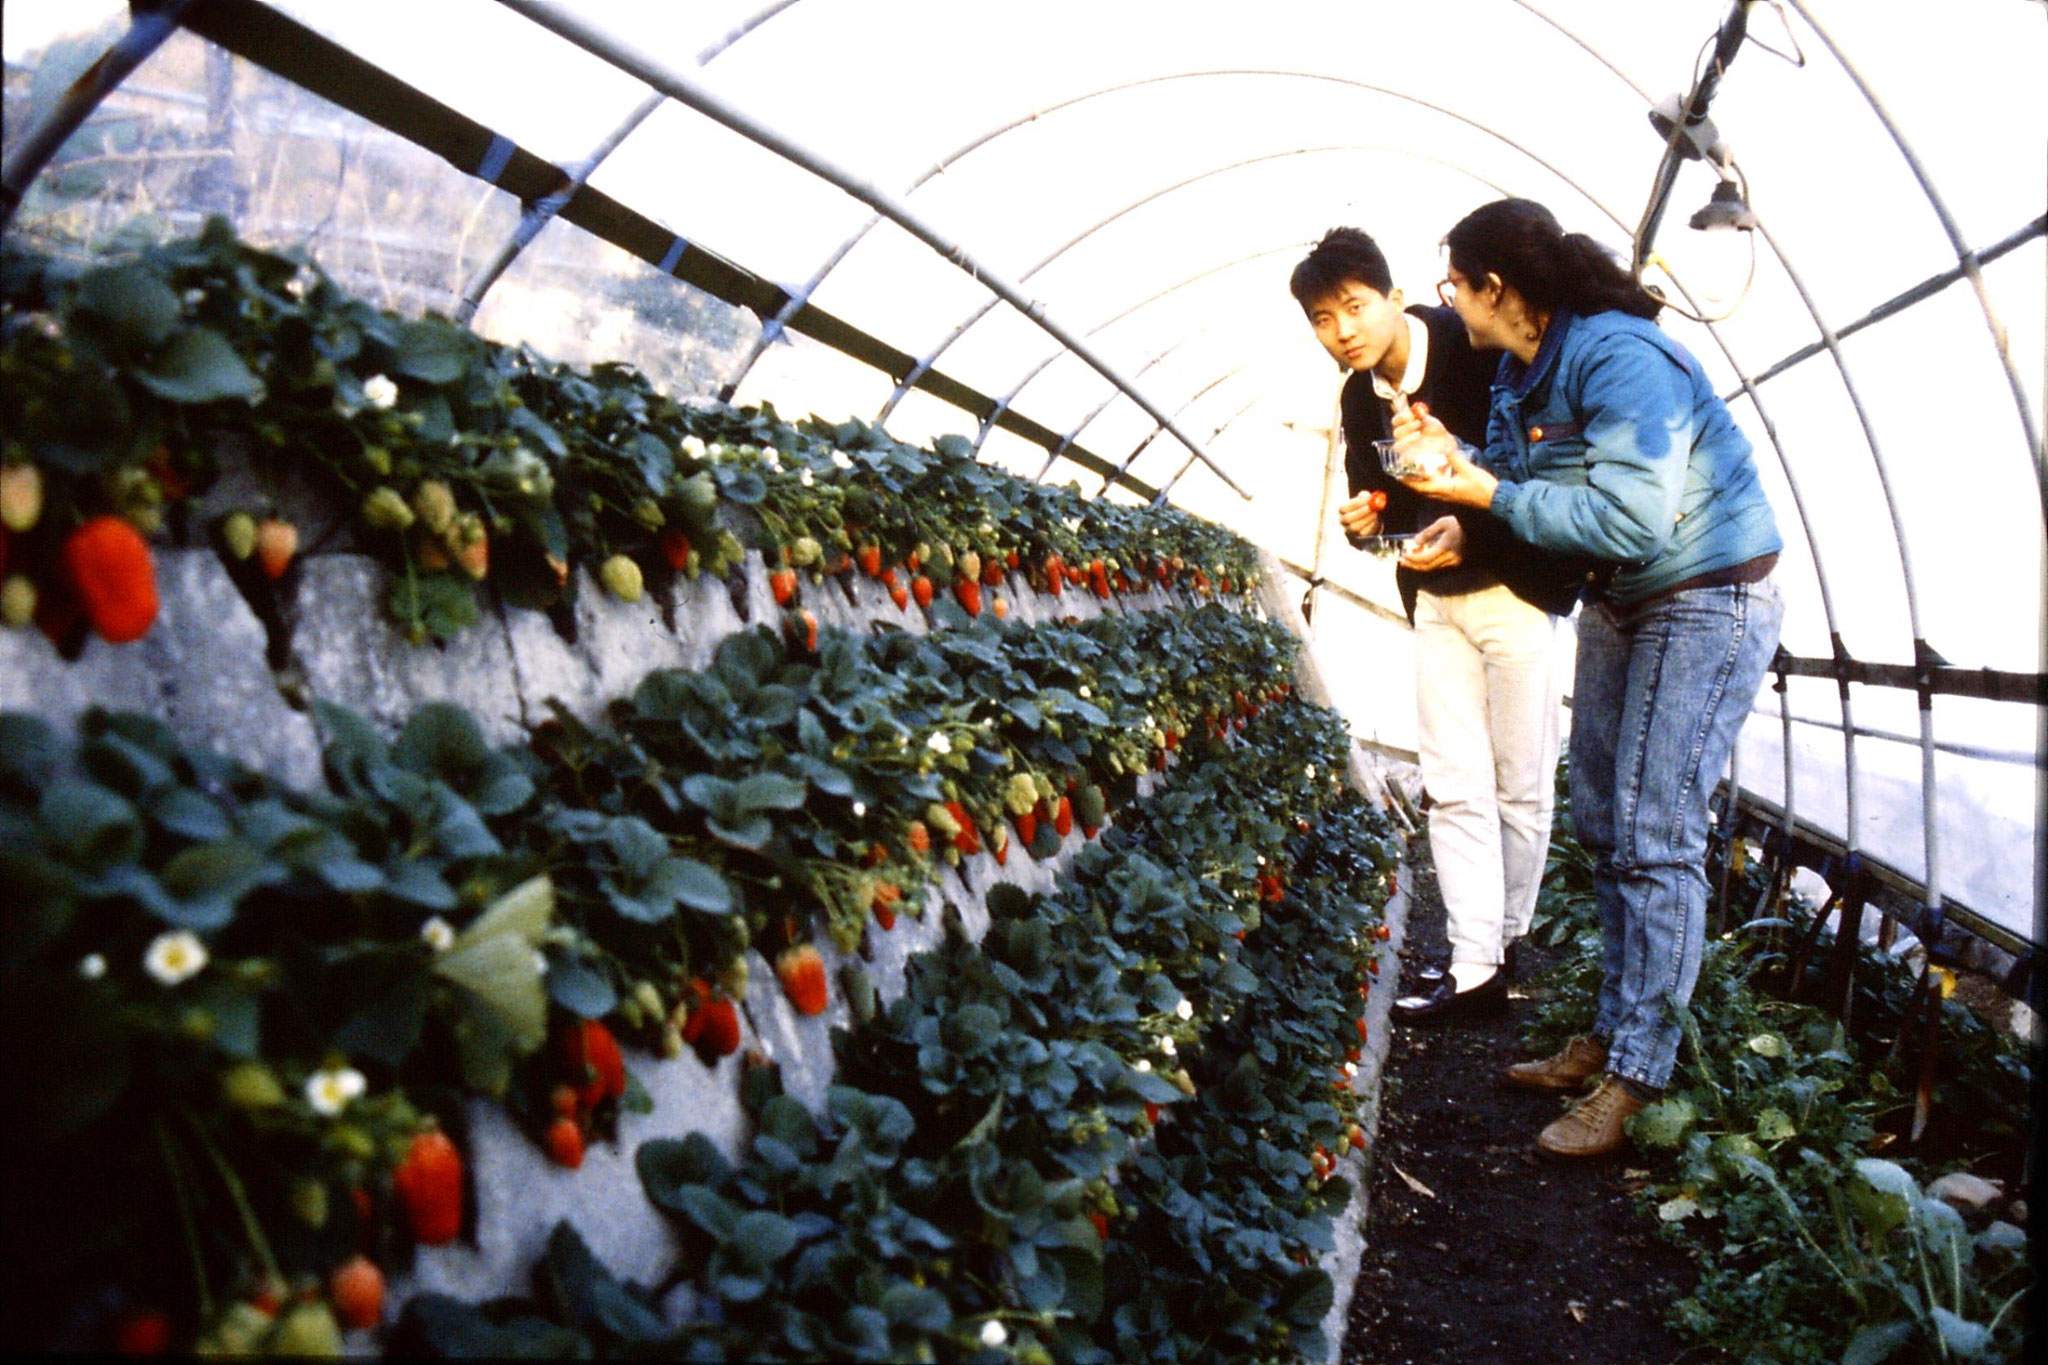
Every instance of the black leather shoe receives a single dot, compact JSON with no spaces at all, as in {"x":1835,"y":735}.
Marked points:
{"x":1511,"y":960}
{"x":1443,"y":1001}
{"x":1424,"y":974}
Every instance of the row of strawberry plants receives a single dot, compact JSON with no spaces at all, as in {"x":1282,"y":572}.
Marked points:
{"x":254,"y":996}
{"x":465,"y":462}
{"x":1101,"y":1134}
{"x":1776,"y":1159}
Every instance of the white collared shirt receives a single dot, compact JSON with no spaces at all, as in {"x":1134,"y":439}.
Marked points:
{"x":1418,"y":361}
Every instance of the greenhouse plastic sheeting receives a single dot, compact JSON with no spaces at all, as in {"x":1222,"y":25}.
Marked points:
{"x":1146,"y":174}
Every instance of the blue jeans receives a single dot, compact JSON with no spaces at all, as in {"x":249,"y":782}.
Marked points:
{"x":1661,"y":691}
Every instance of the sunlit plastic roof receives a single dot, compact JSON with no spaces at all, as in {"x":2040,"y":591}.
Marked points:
{"x":1141,"y":176}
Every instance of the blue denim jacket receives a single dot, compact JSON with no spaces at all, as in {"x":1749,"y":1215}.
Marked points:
{"x":1611,"y":443}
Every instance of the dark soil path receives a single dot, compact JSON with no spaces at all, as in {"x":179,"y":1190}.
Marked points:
{"x":1478,"y":1250}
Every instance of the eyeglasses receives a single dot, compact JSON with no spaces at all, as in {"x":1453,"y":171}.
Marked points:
{"x":1447,"y":289}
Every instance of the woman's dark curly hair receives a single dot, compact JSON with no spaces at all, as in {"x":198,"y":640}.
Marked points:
{"x":1553,"y":270}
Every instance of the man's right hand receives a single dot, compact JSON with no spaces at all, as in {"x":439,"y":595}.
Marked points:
{"x":1361,"y":515}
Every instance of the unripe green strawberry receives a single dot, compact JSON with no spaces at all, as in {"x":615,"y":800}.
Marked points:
{"x":940,"y":819}
{"x":306,"y":1329}
{"x":649,"y":998}
{"x":732,"y":978}
{"x":308,"y":1199}
{"x":970,"y":565}
{"x":385,"y":510}
{"x":251,"y":1085}
{"x":470,"y":543}
{"x":699,"y":493}
{"x":21,"y":497}
{"x":1020,"y":794}
{"x":1089,"y":805}
{"x":622,"y":578}
{"x":805,"y":552}
{"x":238,"y":535}
{"x":435,"y":505}
{"x":648,"y":513}
{"x":18,"y":601}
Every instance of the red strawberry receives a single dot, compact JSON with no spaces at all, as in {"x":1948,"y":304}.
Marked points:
{"x":887,"y":578}
{"x":1152,"y":1113}
{"x":357,"y":1291}
{"x":877,"y":855}
{"x":918,"y":837}
{"x":145,"y":1332}
{"x":114,"y":577}
{"x":1063,"y":822}
{"x":869,"y":557}
{"x":590,"y":1057}
{"x":1000,"y":607}
{"x":921,"y":589}
{"x":277,"y":541}
{"x":967,"y":592}
{"x":719,"y":1029}
{"x":992,"y":572}
{"x":1355,"y":1135}
{"x":887,"y":894}
{"x":428,"y":1184}
{"x":802,"y":973}
{"x":1383,"y":933}
{"x":968,"y":840}
{"x":565,"y":1100}
{"x":1012,"y":559}
{"x":803,"y":629}
{"x":565,"y":1143}
{"x":900,"y":596}
{"x":782,"y":582}
{"x":675,"y":547}
{"x":1027,"y":827}
{"x":1362,"y":1026}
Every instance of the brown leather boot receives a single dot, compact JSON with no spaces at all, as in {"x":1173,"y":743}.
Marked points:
{"x":1569,"y":1068}
{"x":1593,"y":1126}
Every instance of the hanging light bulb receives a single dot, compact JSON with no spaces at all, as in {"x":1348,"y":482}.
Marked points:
{"x":1726,"y":209}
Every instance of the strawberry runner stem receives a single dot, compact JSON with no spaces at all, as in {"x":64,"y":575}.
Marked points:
{"x":185,"y":1223}
{"x":258,"y":1243}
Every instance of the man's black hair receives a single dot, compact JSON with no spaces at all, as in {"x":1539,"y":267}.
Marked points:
{"x":1345,"y":253}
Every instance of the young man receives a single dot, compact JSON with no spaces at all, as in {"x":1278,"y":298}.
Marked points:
{"x":1486,"y":695}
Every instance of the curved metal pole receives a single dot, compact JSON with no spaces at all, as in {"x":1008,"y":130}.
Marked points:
{"x":903,"y":385}
{"x":1153,"y":434}
{"x":1003,"y":403}
{"x":540,"y":212}
{"x":1965,"y":257}
{"x":775,"y":325}
{"x":685,"y":91}
{"x":146,"y":33}
{"x":1052,"y":456}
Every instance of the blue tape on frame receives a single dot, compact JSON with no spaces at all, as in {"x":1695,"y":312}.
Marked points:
{"x":673,"y":254}
{"x":496,"y":159}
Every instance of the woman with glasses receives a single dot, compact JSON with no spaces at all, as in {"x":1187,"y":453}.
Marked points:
{"x":1606,"y":440}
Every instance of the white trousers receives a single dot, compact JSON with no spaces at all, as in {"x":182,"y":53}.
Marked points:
{"x":1486,"y":685}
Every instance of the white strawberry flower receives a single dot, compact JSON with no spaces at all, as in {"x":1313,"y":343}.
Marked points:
{"x":439,"y":934}
{"x":693,"y":446}
{"x":842,"y":459}
{"x":174,"y":957}
{"x":1184,"y":1009}
{"x":330,"y":1089}
{"x":380,"y":390}
{"x":805,"y":478}
{"x":1166,"y":1045}
{"x":938,"y":743}
{"x":860,"y":808}
{"x":993,"y":1334}
{"x":1311,"y":772}
{"x":1082,"y":691}
{"x":92,"y":966}
{"x":1141,"y":1064}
